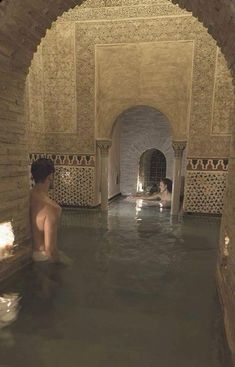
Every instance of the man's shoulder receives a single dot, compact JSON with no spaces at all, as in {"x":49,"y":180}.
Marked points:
{"x":34,"y":196}
{"x":50,"y":205}
{"x":52,"y":208}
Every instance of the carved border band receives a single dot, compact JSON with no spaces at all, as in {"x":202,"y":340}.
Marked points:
{"x":67,"y":159}
{"x":207,"y":164}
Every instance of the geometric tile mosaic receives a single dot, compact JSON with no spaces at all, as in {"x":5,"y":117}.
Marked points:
{"x":205,"y":185}
{"x":74,"y":180}
{"x":74,"y":186}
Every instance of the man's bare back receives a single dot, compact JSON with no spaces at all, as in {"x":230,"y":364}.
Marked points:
{"x":44,"y":213}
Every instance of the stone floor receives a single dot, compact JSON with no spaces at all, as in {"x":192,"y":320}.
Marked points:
{"x":139,"y":293}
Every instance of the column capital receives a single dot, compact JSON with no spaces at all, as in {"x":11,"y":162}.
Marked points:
{"x":179,"y":147}
{"x":104,"y":146}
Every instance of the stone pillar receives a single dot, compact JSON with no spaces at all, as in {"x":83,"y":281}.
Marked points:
{"x":104,"y":146}
{"x":178,"y":147}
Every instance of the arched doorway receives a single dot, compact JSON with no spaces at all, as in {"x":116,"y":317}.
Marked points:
{"x":139,"y":129}
{"x":152,"y":169}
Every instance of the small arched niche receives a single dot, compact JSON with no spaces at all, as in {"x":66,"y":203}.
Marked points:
{"x":139,"y":129}
{"x":152,"y":169}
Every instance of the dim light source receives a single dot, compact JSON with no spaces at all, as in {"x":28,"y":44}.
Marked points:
{"x":8,"y":309}
{"x":7,"y":239}
{"x":226,"y":245}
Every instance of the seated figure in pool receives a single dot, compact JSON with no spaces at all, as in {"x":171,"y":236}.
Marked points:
{"x":164,"y":196}
{"x":44,"y":213}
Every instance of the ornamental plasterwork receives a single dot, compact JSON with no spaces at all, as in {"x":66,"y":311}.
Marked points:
{"x":223,"y":117}
{"x":179,"y":147}
{"x":59,"y":79}
{"x":178,"y":26}
{"x":130,"y":10}
{"x":104,"y":146}
{"x":148,"y":30}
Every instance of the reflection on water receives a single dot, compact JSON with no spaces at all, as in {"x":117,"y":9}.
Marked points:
{"x":139,"y":292}
{"x":9,"y":308}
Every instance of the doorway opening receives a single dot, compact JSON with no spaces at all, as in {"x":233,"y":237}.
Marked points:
{"x":152,"y":169}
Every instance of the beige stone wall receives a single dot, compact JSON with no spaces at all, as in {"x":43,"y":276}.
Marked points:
{"x":223,"y":115}
{"x":51,"y":92}
{"x":154,"y":74}
{"x":162,"y":38}
{"x":97,"y":62}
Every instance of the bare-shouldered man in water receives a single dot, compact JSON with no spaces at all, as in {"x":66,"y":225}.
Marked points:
{"x":44,"y":213}
{"x":164,"y":197}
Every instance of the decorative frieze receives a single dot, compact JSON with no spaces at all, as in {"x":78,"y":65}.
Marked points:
{"x":207,"y":164}
{"x":67,"y":159}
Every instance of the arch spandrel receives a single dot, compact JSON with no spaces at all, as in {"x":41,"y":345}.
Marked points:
{"x":105,"y":125}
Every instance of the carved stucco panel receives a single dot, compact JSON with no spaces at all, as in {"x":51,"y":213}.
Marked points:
{"x":224,"y":107}
{"x":97,"y":11}
{"x":59,"y":79}
{"x":88,"y":34}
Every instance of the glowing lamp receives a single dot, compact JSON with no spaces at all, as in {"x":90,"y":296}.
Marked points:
{"x":226,"y":246}
{"x":8,"y":309}
{"x":7,"y":239}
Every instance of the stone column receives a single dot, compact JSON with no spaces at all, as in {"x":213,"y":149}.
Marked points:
{"x":178,"y":147}
{"x":104,"y":146}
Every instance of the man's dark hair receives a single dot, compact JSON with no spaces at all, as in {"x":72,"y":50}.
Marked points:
{"x":41,"y":169}
{"x":168,"y":184}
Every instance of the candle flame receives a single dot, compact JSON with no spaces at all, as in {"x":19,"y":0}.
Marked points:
{"x":7,"y":239}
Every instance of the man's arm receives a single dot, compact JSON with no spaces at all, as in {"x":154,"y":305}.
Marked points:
{"x":152,"y":197}
{"x":50,"y":233}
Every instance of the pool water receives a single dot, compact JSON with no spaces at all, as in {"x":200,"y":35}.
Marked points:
{"x":140,"y":292}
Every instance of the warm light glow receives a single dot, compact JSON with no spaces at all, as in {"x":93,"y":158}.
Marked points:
{"x":67,"y":177}
{"x":226,"y":240}
{"x":8,"y":309}
{"x":139,"y":185}
{"x":139,"y":204}
{"x":226,"y":245}
{"x":7,"y":239}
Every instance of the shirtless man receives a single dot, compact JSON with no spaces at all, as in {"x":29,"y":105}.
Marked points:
{"x":44,"y":213}
{"x":164,"y":196}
